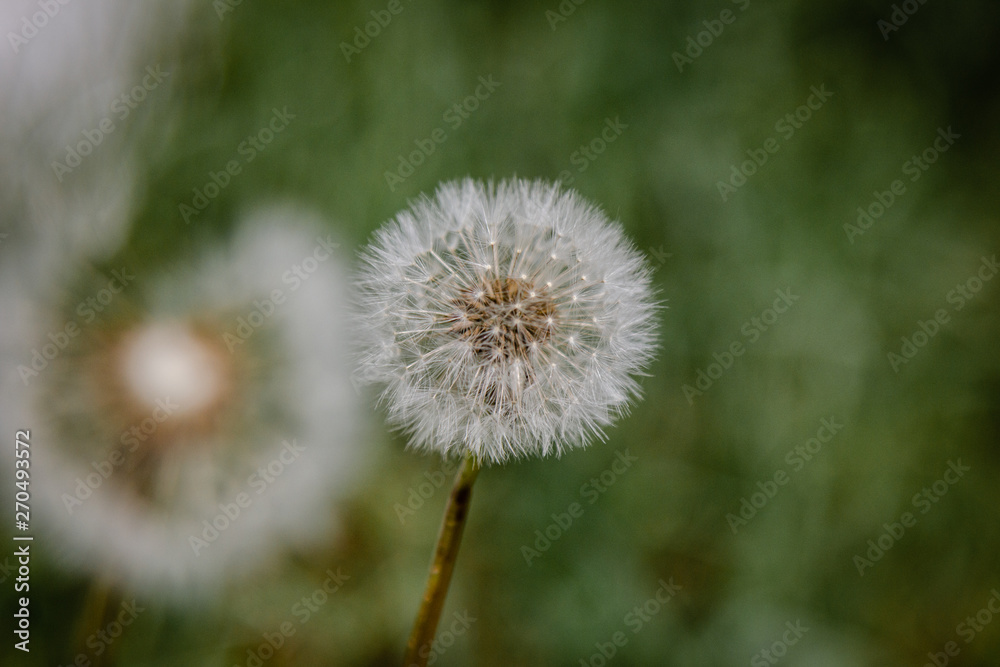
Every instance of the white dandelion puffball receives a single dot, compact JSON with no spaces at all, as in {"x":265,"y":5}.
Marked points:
{"x":77,"y":97}
{"x":505,"y":320}
{"x":196,"y":422}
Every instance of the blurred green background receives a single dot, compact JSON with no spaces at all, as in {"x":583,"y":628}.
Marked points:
{"x":718,"y":262}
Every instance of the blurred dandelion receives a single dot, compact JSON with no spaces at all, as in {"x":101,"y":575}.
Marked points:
{"x":64,"y":81}
{"x":506,"y":321}
{"x":204,"y":420}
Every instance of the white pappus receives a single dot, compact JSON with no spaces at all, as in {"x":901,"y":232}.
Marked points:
{"x":505,"y":320}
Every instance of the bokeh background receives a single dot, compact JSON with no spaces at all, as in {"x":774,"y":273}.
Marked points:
{"x":672,"y":131}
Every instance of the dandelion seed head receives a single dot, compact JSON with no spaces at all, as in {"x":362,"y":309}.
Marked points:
{"x":505,"y":320}
{"x":171,"y":359}
{"x":195,"y":385}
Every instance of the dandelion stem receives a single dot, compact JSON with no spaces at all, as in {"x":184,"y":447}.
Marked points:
{"x":445,"y":553}
{"x":97,"y":612}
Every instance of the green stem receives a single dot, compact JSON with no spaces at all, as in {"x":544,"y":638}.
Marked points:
{"x":448,"y":542}
{"x":97,"y":611}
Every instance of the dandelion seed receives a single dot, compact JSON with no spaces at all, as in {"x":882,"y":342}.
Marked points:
{"x":551,"y":299}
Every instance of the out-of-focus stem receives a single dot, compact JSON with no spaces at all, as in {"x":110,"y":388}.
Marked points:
{"x":449,"y":539}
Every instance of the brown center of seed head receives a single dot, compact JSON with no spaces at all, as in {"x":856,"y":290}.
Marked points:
{"x":503,"y":318}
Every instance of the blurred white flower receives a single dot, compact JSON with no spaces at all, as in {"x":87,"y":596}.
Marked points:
{"x":198,"y":424}
{"x":67,"y":72}
{"x":505,"y":320}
